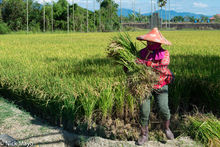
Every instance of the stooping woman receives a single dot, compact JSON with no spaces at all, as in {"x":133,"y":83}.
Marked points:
{"x":158,"y":58}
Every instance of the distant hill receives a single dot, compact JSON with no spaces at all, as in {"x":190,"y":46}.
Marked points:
{"x":174,"y":13}
{"x":125,"y":13}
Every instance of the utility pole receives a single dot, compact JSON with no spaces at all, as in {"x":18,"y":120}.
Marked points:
{"x":94,"y":13}
{"x":44,"y":16}
{"x":151,"y":24}
{"x":110,"y":16}
{"x":73,"y":17}
{"x":174,"y":9}
{"x":100,"y":16}
{"x":52,"y":17}
{"x":166,"y":14}
{"x":121,"y":13}
{"x":68,"y":17}
{"x":169,"y":14}
{"x":87,"y":28}
{"x":27,"y":18}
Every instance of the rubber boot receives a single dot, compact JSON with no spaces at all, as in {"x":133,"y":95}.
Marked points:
{"x":144,"y":135}
{"x":167,"y":130}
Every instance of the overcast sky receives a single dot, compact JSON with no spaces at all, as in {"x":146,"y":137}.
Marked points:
{"x":206,"y":7}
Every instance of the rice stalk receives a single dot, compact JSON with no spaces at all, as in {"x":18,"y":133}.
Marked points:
{"x":205,"y":129}
{"x":119,"y":93}
{"x":106,"y":101}
{"x":140,"y":78}
{"x":131,"y":104}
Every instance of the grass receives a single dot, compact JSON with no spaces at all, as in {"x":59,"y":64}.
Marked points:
{"x":68,"y":77}
{"x":9,"y":111}
{"x":5,"y":109}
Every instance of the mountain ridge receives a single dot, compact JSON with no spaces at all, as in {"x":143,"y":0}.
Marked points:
{"x":126,"y":12}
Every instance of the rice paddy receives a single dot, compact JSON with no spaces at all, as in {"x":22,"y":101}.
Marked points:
{"x":68,"y":77}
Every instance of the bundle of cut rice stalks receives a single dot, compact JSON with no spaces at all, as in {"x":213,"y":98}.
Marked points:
{"x":140,"y":78}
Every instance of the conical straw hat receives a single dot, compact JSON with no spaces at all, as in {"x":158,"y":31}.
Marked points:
{"x":154,"y":36}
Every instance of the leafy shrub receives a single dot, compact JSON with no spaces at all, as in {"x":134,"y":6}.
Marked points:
{"x":4,"y":28}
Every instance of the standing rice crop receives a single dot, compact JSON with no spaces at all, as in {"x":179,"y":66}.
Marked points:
{"x":204,"y":128}
{"x":54,"y":75}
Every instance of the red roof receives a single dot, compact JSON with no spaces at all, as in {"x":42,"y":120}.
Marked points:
{"x":218,"y":15}
{"x":212,"y":18}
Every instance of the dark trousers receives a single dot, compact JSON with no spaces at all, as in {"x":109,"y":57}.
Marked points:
{"x":161,"y":99}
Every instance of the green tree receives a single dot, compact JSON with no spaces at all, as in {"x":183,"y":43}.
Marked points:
{"x":60,"y":14}
{"x":217,"y":18}
{"x":177,"y":19}
{"x":109,"y":17}
{"x":14,"y":14}
{"x":192,"y":18}
{"x":204,"y":18}
{"x":0,"y":12}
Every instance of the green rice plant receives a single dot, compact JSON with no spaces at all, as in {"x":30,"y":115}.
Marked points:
{"x":204,"y":128}
{"x":106,"y":101}
{"x":131,"y":104}
{"x":119,"y":95}
{"x":88,"y":102}
{"x":55,"y":73}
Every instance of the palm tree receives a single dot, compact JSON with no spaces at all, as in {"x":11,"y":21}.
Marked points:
{"x":161,"y":4}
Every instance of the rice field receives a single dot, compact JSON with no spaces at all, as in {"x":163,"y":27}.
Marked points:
{"x":68,"y":78}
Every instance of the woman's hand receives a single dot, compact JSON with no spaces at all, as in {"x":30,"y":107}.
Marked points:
{"x":139,"y":61}
{"x":147,"y":63}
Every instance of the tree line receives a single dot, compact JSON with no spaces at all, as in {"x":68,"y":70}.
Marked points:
{"x":30,"y":15}
{"x":58,"y":15}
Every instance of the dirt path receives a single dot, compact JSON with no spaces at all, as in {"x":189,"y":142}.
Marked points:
{"x":29,"y":130}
